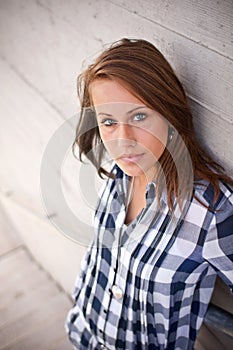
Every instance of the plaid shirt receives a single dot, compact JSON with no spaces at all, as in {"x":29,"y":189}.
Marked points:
{"x":167,"y":270}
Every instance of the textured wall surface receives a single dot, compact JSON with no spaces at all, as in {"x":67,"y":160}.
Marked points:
{"x":43,"y":44}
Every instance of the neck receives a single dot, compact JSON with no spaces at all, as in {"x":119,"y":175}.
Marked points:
{"x":142,"y":181}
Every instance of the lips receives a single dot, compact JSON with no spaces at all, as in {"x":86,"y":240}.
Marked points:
{"x":131,"y":158}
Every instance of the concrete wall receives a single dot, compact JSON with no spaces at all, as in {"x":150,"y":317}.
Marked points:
{"x":42,"y":47}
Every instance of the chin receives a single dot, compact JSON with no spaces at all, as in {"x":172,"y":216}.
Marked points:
{"x":131,"y":169}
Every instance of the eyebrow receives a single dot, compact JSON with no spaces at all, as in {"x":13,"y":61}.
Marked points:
{"x":129,"y":112}
{"x":134,"y":109}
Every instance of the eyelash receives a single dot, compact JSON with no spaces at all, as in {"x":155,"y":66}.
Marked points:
{"x":108,"y":122}
{"x":143,"y":115}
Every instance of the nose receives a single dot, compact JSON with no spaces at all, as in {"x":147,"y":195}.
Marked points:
{"x":126,"y":134}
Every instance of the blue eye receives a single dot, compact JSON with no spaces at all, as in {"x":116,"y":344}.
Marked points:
{"x":108,"y":122}
{"x":139,"y":117}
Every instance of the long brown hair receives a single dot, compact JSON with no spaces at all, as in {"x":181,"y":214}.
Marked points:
{"x":147,"y":75}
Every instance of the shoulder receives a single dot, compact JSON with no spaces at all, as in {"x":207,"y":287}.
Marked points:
{"x":110,"y":181}
{"x":204,"y":210}
{"x":112,"y":187}
{"x":204,"y":192}
{"x":217,"y":215}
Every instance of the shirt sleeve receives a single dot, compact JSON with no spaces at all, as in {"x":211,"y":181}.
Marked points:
{"x":218,"y":245}
{"x":80,"y":279}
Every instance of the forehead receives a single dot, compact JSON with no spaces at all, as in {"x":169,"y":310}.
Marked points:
{"x":106,"y":91}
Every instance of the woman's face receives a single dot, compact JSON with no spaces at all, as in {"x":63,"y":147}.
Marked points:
{"x":134,"y":135}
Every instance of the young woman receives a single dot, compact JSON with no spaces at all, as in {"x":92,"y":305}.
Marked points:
{"x":164,"y":220}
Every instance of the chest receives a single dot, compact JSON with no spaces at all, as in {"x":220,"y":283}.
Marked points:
{"x":135,"y":206}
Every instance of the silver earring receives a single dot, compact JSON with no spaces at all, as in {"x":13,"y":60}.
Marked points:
{"x":171,"y":134}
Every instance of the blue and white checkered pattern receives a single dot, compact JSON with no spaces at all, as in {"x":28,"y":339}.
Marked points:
{"x":166,"y":269}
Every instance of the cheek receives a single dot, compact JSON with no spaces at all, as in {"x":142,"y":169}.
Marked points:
{"x":155,"y":141}
{"x":157,"y":148}
{"x":105,"y":136}
{"x":110,"y":143}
